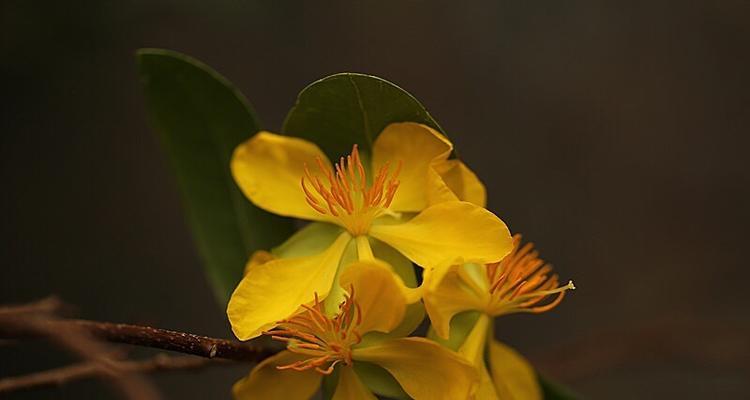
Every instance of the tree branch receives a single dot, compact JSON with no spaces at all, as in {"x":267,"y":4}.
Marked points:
{"x":146,"y":336}
{"x":86,"y":340}
{"x":36,"y":320}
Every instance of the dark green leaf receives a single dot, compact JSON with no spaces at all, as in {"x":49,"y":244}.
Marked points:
{"x":554,"y":391}
{"x":200,"y":118}
{"x":340,"y":110}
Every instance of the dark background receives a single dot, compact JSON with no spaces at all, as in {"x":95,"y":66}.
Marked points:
{"x":613,"y":134}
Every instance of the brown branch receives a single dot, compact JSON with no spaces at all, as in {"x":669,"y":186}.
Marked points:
{"x":37,"y":322}
{"x":187,"y":343}
{"x":163,"y":339}
{"x":86,"y":340}
{"x":146,"y":336}
{"x":86,"y":370}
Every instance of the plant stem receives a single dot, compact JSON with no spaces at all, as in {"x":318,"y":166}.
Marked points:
{"x":146,"y":336}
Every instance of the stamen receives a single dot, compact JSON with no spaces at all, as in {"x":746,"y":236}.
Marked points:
{"x":347,"y":197}
{"x":522,"y":282}
{"x":326,"y":341}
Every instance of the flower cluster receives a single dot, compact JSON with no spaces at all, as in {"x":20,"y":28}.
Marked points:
{"x":342,"y":293}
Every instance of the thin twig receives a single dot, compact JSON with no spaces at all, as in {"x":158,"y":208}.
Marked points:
{"x":29,"y":320}
{"x":163,"y":339}
{"x":86,"y":370}
{"x":86,"y":340}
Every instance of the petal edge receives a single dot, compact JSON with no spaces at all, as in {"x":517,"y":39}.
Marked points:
{"x":275,"y":290}
{"x":448,"y":233}
{"x":268,"y":169}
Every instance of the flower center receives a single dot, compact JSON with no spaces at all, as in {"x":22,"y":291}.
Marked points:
{"x":325,"y":341}
{"x":522,"y":282}
{"x":348,"y":197}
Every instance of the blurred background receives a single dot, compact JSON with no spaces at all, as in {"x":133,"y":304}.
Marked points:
{"x":612,"y":134}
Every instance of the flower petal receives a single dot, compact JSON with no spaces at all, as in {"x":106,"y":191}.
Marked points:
{"x":313,"y":239}
{"x":267,"y":382}
{"x":462,"y":183}
{"x":413,"y":318}
{"x":337,"y":295}
{"x":486,"y":389}
{"x":380,"y":381}
{"x":400,"y":264}
{"x":273,"y":291}
{"x":451,"y":296}
{"x":448,"y":233}
{"x":416,"y":146}
{"x":461,"y":326}
{"x":259,"y":257}
{"x":268,"y":168}
{"x":350,"y":387}
{"x":379,"y":292}
{"x":513,"y":376}
{"x":424,"y":369}
{"x":473,"y":347}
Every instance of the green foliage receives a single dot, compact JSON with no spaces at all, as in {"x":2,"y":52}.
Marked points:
{"x":201,"y":118}
{"x":343,"y":109}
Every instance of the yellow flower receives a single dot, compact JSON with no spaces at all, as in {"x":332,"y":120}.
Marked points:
{"x":338,"y":348}
{"x":521,"y":282}
{"x":410,"y":198}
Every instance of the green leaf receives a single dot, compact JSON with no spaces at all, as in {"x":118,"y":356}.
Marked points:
{"x":201,"y":118}
{"x":554,"y":391}
{"x":343,"y":109}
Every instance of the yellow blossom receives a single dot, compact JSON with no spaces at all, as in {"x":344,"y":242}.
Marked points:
{"x":407,"y":203}
{"x":319,"y":346}
{"x":521,"y":282}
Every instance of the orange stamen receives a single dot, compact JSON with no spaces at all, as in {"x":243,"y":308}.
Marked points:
{"x":522,"y":282}
{"x":347,"y":196}
{"x":326,"y":341}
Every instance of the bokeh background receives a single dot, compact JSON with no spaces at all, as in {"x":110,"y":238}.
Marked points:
{"x":612,"y":134}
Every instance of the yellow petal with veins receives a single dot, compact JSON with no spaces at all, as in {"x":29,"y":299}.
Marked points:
{"x":379,"y":292}
{"x":269,"y":168}
{"x":513,"y":376}
{"x":267,"y":382}
{"x":417,"y":147}
{"x":273,"y":291}
{"x":464,"y":185}
{"x":448,"y":233}
{"x":350,"y":387}
{"x":424,"y":369}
